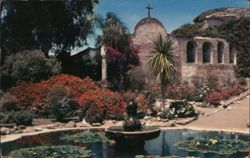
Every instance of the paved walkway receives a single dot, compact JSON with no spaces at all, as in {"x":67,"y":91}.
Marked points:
{"x":235,"y":118}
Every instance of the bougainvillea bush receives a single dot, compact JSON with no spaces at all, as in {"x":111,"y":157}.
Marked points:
{"x":35,"y":95}
{"x":101,"y":104}
{"x":92,"y":100}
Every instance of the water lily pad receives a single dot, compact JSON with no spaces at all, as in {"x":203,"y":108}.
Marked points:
{"x":61,"y":151}
{"x":215,"y":145}
{"x":86,"y":137}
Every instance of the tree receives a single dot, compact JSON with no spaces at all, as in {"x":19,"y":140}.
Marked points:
{"x":120,"y":54}
{"x":162,"y":63}
{"x":47,"y":25}
{"x":28,"y":66}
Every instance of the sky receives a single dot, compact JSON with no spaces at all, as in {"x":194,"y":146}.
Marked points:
{"x":172,"y":13}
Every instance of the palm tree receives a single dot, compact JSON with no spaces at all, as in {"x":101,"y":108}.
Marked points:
{"x":114,"y":32}
{"x":162,"y":63}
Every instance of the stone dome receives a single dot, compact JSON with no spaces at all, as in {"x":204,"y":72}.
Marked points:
{"x":148,"y":21}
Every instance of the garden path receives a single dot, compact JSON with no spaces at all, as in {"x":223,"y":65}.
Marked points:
{"x":234,"y":118}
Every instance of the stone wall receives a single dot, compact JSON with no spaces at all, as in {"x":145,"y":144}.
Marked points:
{"x":225,"y":71}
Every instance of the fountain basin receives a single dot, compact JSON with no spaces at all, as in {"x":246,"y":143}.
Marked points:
{"x":118,"y":134}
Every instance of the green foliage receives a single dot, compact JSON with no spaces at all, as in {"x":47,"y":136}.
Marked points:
{"x":213,"y":145}
{"x":136,"y":78}
{"x":162,"y":63}
{"x":95,"y":114}
{"x":19,"y":117}
{"x":8,"y":102}
{"x":66,"y":25}
{"x":87,"y":137}
{"x":156,"y":156}
{"x":179,"y":110}
{"x":6,"y":117}
{"x":60,"y":151}
{"x":188,"y":30}
{"x":115,"y":33}
{"x":60,"y":103}
{"x":23,"y":117}
{"x":30,"y":66}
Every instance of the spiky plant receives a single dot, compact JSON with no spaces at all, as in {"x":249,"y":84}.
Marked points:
{"x":162,"y":63}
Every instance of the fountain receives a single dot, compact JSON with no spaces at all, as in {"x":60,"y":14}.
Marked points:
{"x":132,"y":132}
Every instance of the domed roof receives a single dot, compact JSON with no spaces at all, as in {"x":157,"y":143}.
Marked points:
{"x":148,"y":20}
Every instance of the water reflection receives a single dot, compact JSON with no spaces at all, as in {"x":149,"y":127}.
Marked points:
{"x":163,"y":145}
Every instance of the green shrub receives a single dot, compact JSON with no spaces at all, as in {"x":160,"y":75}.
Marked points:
{"x":6,"y":118}
{"x":95,"y":114}
{"x":18,"y":117}
{"x":136,"y":78}
{"x":23,"y":117}
{"x":8,"y":102}
{"x":63,"y":108}
{"x":60,"y":102}
{"x":30,"y":65}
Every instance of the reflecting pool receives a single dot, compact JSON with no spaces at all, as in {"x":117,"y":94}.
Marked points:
{"x":78,"y":143}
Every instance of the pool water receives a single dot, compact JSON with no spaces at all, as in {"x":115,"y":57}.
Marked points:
{"x":164,"y":145}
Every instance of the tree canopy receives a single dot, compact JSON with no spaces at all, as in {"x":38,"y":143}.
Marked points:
{"x":46,"y":25}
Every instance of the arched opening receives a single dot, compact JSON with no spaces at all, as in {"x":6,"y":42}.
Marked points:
{"x":206,"y":52}
{"x":231,"y":54}
{"x":191,"y":52}
{"x":220,"y":47}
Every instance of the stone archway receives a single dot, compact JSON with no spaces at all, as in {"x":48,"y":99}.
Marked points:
{"x":206,"y":52}
{"x":191,"y":52}
{"x":220,"y":57}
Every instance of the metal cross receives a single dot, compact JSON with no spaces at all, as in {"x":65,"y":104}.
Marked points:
{"x":148,"y":8}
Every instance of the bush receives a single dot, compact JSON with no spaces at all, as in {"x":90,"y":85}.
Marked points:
{"x":101,"y":104}
{"x":8,"y":102}
{"x":63,"y":108}
{"x":136,"y":78}
{"x":213,"y":98}
{"x":30,"y":65}
{"x":6,"y":117}
{"x":18,"y":117}
{"x":23,"y":118}
{"x":60,"y":102}
{"x":179,"y":109}
{"x":36,"y":95}
{"x":95,"y":114}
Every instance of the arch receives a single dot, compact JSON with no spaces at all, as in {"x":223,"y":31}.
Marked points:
{"x":191,"y":53}
{"x":220,"y":47}
{"x":206,"y":52}
{"x":232,"y":54}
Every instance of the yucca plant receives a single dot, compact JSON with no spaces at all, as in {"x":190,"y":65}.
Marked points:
{"x":162,"y":63}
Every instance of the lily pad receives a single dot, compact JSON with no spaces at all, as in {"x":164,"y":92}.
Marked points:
{"x":215,"y":145}
{"x":86,"y":137}
{"x":61,"y":151}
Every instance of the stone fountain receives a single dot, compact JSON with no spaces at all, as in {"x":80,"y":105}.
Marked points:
{"x":132,"y":132}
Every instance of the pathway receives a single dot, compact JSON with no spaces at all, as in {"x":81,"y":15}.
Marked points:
{"x":235,"y":118}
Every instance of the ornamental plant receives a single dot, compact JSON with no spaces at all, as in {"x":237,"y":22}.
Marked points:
{"x":179,"y":109}
{"x":35,"y":96}
{"x":101,"y":104}
{"x":213,"y":98}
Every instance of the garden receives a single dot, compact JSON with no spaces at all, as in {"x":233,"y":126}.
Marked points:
{"x":55,"y":102}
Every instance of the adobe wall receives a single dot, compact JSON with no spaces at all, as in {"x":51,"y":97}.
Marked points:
{"x":146,"y":31}
{"x":225,"y":71}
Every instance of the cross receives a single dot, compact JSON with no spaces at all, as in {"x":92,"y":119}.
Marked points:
{"x":148,"y":8}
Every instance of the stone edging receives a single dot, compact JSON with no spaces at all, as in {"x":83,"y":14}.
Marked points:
{"x":9,"y":138}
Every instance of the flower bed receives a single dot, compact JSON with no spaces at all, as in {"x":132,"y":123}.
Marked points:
{"x":95,"y":101}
